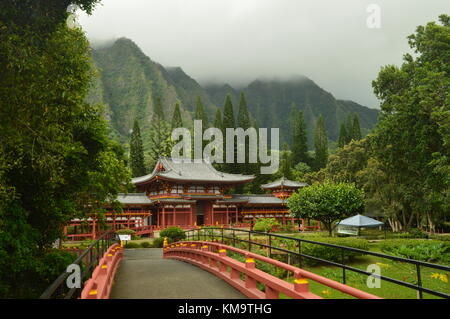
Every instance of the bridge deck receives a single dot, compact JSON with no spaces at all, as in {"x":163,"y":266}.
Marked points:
{"x":144,"y":274}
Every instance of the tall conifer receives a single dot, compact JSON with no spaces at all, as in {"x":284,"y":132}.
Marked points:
{"x":321,"y":144}
{"x":136,"y":152}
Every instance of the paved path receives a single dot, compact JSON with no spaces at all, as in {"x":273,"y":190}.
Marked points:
{"x":144,"y":274}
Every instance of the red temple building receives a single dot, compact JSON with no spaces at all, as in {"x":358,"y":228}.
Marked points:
{"x":189,"y":194}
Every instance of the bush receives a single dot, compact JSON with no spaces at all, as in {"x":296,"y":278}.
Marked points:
{"x":132,"y":245}
{"x":125,"y":232}
{"x":173,"y":233}
{"x":158,"y":242}
{"x":418,"y":249}
{"x":265,"y":224}
{"x":331,"y":253}
{"x":146,"y":244}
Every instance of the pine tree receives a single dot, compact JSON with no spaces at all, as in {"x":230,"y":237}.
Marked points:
{"x":356,"y":129}
{"x":176,"y":118}
{"x":136,"y":152}
{"x":299,"y":139}
{"x":228,"y":122}
{"x":343,"y":136}
{"x":286,"y":162}
{"x":349,"y":129}
{"x":321,"y":144}
{"x":160,"y":143}
{"x":200,"y":113}
{"x":243,"y":121}
{"x":218,"y":120}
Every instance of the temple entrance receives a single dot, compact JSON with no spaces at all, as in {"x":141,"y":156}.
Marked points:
{"x":200,"y":212}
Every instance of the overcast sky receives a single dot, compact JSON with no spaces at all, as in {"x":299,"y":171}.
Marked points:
{"x":236,"y":41}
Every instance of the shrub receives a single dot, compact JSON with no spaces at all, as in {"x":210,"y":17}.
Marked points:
{"x":331,"y":253}
{"x":146,"y":244}
{"x":132,"y":245}
{"x":265,"y":224}
{"x":125,"y":232}
{"x":158,"y":242}
{"x":418,"y":249}
{"x":173,"y":233}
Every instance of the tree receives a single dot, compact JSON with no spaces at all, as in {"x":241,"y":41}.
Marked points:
{"x":321,"y":144}
{"x":229,"y":122}
{"x":56,"y":161}
{"x":410,"y":141}
{"x":136,"y":152}
{"x":299,"y":138}
{"x":343,"y":136}
{"x":160,"y":135}
{"x":200,"y":113}
{"x":176,"y":117}
{"x":327,"y":203}
{"x":356,"y":128}
{"x":285,"y":169}
{"x":265,"y":224}
{"x":243,"y":121}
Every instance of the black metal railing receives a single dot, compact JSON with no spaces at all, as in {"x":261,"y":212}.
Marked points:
{"x":87,"y":262}
{"x":234,"y":236}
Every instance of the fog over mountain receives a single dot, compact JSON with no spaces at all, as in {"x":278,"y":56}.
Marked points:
{"x":235,"y":41}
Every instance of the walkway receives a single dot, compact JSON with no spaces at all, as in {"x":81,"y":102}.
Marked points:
{"x":144,"y":274}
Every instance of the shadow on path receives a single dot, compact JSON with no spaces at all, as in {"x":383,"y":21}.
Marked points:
{"x":144,"y":274}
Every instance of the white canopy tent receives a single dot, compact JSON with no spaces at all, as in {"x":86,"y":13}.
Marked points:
{"x":352,"y":225}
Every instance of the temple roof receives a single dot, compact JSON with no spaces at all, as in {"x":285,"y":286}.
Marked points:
{"x":263,"y":199}
{"x":168,"y":169}
{"x":283,"y":182}
{"x":134,"y":198}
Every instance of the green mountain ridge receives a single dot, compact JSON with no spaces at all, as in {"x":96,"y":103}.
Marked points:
{"x":129,"y":83}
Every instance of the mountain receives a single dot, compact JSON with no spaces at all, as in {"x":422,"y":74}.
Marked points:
{"x":270,"y":103}
{"x":129,"y":82}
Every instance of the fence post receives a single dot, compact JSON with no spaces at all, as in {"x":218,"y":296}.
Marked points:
{"x":300,"y":258}
{"x":270,"y":246}
{"x":234,"y":238}
{"x":250,"y":240}
{"x":419,"y":281}
{"x":343,"y":264}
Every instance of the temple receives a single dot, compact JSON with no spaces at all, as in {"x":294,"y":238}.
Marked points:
{"x":189,"y":194}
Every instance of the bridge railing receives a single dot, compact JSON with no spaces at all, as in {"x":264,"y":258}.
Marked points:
{"x":213,"y":257}
{"x":87,"y":261}
{"x":235,"y":236}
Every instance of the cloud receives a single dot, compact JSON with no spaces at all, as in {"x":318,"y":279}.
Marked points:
{"x":237,"y":41}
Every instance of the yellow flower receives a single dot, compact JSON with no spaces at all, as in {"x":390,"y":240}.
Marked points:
{"x":443,"y":278}
{"x":326,"y":292}
{"x":383,"y":265}
{"x":435,"y":275}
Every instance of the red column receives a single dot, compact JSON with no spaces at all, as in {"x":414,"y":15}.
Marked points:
{"x":174,"y":219}
{"x":163,"y":217}
{"x":191,"y":215}
{"x":226,"y":216}
{"x":236,"y":210}
{"x":212,"y":216}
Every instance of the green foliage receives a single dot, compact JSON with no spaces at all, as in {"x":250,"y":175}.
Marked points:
{"x":333,"y":254}
{"x":299,"y":137}
{"x":327,"y":202}
{"x":137,"y":152}
{"x":158,"y":242}
{"x":320,"y":144}
{"x":56,"y":162}
{"x":265,"y":224}
{"x":125,"y":232}
{"x":132,"y":245}
{"x":176,"y":117}
{"x":146,"y":244}
{"x":173,"y":233}
{"x":423,"y":250}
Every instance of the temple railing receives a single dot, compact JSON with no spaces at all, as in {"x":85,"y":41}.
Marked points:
{"x":244,"y":276}
{"x":87,"y":261}
{"x":292,"y":247}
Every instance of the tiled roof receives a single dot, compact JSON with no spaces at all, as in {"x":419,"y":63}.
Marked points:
{"x":191,"y":171}
{"x":133,"y":198}
{"x":283,"y":182}
{"x":260,"y":199}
